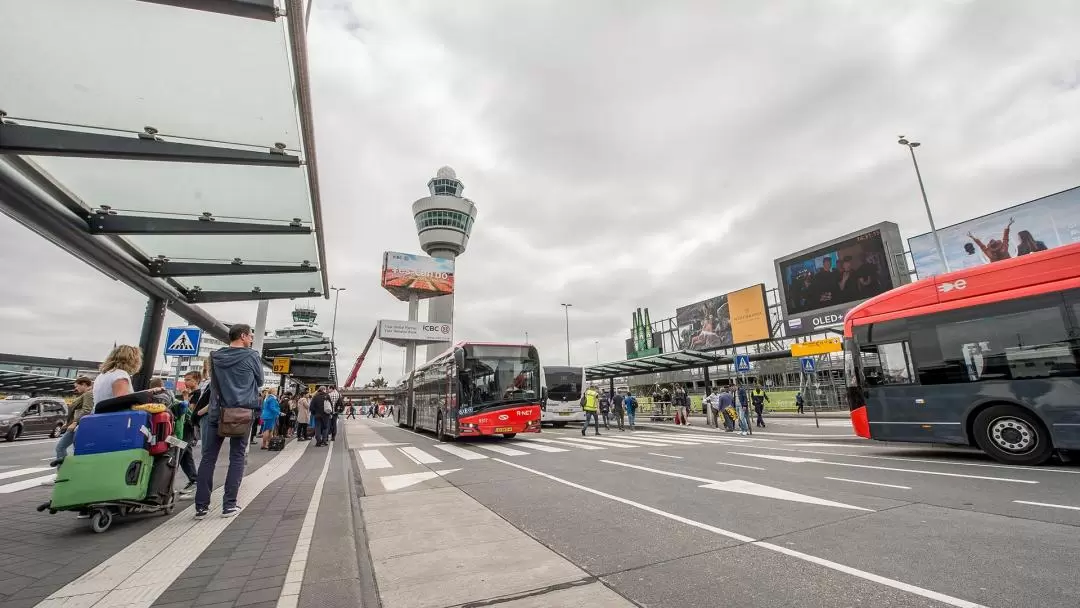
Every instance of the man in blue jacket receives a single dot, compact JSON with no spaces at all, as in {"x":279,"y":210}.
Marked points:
{"x":236,"y":380}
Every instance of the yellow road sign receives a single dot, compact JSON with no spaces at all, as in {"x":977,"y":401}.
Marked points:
{"x":281,"y":365}
{"x":817,"y":347}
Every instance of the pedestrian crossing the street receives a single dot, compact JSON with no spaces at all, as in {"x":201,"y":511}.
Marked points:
{"x":552,"y":442}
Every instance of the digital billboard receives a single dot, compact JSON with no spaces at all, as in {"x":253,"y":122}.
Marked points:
{"x":738,"y":317}
{"x":405,"y":273}
{"x":819,"y":284}
{"x":1044,"y":223}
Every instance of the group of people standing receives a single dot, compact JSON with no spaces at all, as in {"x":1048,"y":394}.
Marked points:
{"x":300,"y":414}
{"x":731,"y":405}
{"x":596,"y":403}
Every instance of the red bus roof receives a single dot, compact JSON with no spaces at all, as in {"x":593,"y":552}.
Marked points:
{"x":1048,"y":271}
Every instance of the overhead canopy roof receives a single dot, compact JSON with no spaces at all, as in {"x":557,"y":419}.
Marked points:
{"x":670,"y":362}
{"x":176,"y":136}
{"x":18,"y":383}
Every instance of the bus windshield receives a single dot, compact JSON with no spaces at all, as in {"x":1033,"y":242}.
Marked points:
{"x":495,"y":375}
{"x":564,"y":383}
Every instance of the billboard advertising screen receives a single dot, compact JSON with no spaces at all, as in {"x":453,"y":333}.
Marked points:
{"x":840,"y":273}
{"x":404,"y":274}
{"x":738,"y":317}
{"x":1044,"y":223}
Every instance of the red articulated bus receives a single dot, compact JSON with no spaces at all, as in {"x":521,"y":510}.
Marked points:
{"x":987,"y":356}
{"x":474,"y":389}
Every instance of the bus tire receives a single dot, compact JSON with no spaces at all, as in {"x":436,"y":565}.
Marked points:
{"x":1012,"y":435}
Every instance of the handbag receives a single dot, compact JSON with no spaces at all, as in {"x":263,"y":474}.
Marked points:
{"x":234,"y":421}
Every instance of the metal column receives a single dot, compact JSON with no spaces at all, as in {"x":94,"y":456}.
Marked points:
{"x":150,"y":341}
{"x":705,"y":409}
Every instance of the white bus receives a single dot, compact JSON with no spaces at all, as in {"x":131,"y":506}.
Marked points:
{"x":564,"y":388}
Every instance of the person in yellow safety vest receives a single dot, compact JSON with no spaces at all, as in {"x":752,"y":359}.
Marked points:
{"x":590,"y":404}
{"x":758,"y":399}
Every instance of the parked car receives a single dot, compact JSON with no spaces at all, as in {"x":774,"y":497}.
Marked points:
{"x":33,"y":416}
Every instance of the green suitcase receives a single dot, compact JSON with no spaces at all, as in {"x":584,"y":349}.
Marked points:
{"x":104,"y":477}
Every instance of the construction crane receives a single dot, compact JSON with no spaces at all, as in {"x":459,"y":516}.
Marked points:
{"x":360,"y":360}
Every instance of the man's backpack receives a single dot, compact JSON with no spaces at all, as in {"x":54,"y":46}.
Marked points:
{"x":327,"y":407}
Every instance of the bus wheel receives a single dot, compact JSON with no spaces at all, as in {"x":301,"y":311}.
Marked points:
{"x":1012,"y":435}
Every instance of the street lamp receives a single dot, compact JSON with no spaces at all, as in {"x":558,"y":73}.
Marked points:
{"x":911,"y":145}
{"x":333,"y":326}
{"x":597,"y":343}
{"x":566,"y":309}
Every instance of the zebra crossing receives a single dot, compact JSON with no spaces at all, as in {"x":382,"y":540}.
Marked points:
{"x":24,"y":478}
{"x":380,"y":457}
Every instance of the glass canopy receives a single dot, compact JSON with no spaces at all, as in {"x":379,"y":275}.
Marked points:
{"x":177,"y":135}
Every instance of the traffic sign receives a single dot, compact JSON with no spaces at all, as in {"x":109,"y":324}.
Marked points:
{"x":742,"y":364}
{"x":807,"y":364}
{"x":182,"y":342}
{"x":817,"y":347}
{"x":281,"y":365}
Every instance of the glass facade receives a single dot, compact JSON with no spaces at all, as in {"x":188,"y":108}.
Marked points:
{"x":448,"y":187}
{"x":444,"y":218}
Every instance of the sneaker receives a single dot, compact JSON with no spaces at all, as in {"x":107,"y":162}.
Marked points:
{"x":231,"y":511}
{"x":190,"y":487}
{"x":184,"y":495}
{"x":49,"y":482}
{"x":201,"y":512}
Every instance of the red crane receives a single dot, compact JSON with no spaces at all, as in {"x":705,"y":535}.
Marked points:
{"x":360,"y":360}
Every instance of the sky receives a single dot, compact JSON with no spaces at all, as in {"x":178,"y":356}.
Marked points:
{"x":626,"y":154}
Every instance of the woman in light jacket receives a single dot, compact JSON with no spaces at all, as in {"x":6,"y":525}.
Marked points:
{"x":303,"y":414}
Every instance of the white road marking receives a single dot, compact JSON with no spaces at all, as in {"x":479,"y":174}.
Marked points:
{"x":807,"y":435}
{"x":923,"y":460}
{"x":742,"y":466}
{"x":888,"y":582}
{"x":290,"y":593}
{"x":740,"y":486}
{"x":397,"y":482}
{"x":608,"y":443}
{"x":19,"y":444}
{"x":663,"y":455}
{"x":25,"y":484}
{"x":831,"y":445}
{"x":502,"y":450}
{"x":381,"y":445}
{"x":636,"y":441}
{"x":580,"y":446}
{"x":373,"y":459}
{"x":137,"y":575}
{"x":1046,"y":504}
{"x":540,"y":447}
{"x":870,"y":483}
{"x":459,"y":452}
{"x":18,"y":472}
{"x":419,"y":455}
{"x":866,"y":466}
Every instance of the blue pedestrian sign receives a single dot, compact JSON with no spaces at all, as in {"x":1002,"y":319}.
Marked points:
{"x":182,"y":342}
{"x":807,"y":364}
{"x":742,"y":364}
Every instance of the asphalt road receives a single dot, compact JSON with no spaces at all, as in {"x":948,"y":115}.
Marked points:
{"x":793,"y":516}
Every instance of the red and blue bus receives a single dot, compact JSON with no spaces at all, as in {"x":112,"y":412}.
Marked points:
{"x":474,"y":389}
{"x":986,"y":356}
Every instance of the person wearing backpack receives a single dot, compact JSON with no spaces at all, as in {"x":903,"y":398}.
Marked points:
{"x":605,"y":409}
{"x":323,"y":410}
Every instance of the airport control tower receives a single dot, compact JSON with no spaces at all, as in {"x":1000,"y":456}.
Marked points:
{"x":444,"y":221}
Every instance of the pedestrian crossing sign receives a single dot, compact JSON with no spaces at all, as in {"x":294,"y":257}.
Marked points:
{"x":182,"y":342}
{"x":742,"y":364}
{"x":807,"y":364}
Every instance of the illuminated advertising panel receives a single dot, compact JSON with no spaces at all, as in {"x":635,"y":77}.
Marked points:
{"x":405,"y":273}
{"x":739,"y":317}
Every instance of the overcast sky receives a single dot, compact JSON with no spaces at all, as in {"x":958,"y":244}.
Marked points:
{"x":625,"y":154}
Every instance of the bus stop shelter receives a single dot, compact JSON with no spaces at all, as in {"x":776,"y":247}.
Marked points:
{"x":169,"y":145}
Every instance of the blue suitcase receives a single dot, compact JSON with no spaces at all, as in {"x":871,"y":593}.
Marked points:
{"x":112,"y":432}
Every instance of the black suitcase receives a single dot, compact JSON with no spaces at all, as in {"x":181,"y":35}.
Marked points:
{"x":162,"y":475}
{"x":276,"y":444}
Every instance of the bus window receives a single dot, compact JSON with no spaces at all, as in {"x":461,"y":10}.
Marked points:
{"x":1028,"y":344}
{"x":885,"y":364}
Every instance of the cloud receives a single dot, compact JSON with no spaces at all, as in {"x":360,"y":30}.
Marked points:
{"x":630,"y":154}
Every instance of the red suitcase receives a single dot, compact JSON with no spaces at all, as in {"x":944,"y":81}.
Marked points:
{"x":161,"y":428}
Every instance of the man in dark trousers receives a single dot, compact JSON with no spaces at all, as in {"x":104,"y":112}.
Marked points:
{"x":323,"y":409}
{"x":236,"y":381}
{"x":758,"y":398}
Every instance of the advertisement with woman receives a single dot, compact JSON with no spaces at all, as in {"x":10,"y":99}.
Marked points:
{"x":1045,"y":223}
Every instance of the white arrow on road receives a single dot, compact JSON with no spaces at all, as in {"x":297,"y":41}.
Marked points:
{"x":397,"y":482}
{"x":744,"y":487}
{"x":756,"y":489}
{"x":867,"y":466}
{"x":780,"y":458}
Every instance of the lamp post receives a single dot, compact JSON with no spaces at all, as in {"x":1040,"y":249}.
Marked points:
{"x":597,"y":343}
{"x":566,"y":309}
{"x":911,"y":145}
{"x":333,"y":325}
{"x":526,"y":336}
